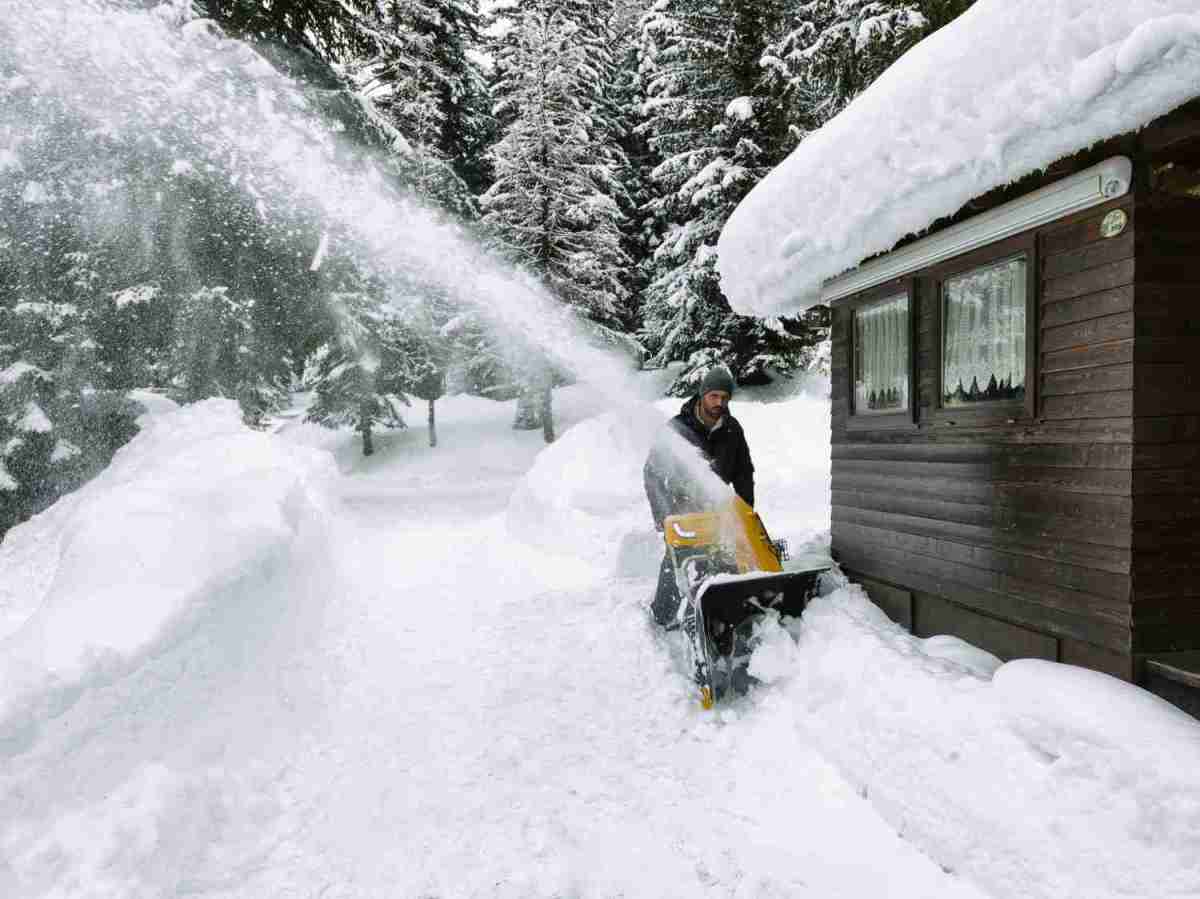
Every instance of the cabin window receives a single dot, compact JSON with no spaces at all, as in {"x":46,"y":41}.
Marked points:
{"x":983,"y":334}
{"x":882,"y":356}
{"x":1178,"y":179}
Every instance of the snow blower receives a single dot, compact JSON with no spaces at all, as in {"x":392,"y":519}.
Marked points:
{"x":729,"y":572}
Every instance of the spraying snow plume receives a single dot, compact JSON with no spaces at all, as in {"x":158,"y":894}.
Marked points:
{"x":222,"y":107}
{"x":212,"y":104}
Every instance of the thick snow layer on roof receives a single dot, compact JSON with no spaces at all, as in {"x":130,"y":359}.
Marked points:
{"x":1003,"y":91}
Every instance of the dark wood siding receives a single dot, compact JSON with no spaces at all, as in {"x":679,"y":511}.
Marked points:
{"x":1066,"y":526}
{"x":1021,"y":526}
{"x":1166,"y":410}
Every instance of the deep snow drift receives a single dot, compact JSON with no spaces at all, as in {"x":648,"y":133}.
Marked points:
{"x":243,"y":664}
{"x":197,"y":506}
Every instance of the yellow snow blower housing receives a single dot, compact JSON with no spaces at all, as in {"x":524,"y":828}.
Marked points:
{"x":728,"y":571}
{"x":735,"y":527}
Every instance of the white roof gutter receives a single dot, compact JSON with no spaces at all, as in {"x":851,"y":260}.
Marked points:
{"x":1091,"y":187}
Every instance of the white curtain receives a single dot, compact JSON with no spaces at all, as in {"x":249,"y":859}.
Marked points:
{"x":881,"y":339}
{"x":983,"y":334}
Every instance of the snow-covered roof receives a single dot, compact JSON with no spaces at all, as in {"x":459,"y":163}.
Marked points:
{"x":1003,"y":91}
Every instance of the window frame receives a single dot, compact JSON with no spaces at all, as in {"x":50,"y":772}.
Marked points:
{"x":1022,"y":411}
{"x":901,"y":418}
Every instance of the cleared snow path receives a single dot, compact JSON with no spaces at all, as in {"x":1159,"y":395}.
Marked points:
{"x":509,"y":725}
{"x":418,"y":705}
{"x":230,"y":667}
{"x":507,"y":738}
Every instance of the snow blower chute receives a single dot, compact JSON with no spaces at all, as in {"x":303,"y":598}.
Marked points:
{"x":729,"y":571}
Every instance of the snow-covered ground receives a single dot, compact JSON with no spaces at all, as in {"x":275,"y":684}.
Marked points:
{"x":257,"y":665}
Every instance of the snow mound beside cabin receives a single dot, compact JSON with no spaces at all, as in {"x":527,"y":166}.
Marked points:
{"x":584,"y":492}
{"x":584,"y":495}
{"x":189,"y":513}
{"x":1003,"y":91}
{"x":1032,"y":779}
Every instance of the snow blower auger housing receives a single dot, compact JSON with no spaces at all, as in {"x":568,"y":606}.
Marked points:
{"x":728,"y":572}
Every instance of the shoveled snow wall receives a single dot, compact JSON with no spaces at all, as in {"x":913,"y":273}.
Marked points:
{"x":193,"y":519}
{"x":1032,"y":779}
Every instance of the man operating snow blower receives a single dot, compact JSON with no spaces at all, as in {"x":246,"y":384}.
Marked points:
{"x":706,"y":423}
{"x":720,"y":570}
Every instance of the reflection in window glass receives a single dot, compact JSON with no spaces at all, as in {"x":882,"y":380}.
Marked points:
{"x":881,"y":356}
{"x":983,"y":334}
{"x":1177,"y":179}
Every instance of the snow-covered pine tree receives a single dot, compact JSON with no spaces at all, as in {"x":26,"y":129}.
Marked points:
{"x":478,"y":364}
{"x":555,"y":206}
{"x":347,"y":383}
{"x":134,"y":328}
{"x":430,"y":85}
{"x":941,"y":12}
{"x":621,"y":99}
{"x":219,"y":352}
{"x":317,"y":43}
{"x":711,"y":123}
{"x":833,"y":49}
{"x":363,"y":376}
{"x":58,"y":422}
{"x":335,"y":30}
{"x":208,"y":325}
{"x":108,"y":231}
{"x":429,"y":315}
{"x":27,"y":438}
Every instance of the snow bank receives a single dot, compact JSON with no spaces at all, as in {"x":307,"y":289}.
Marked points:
{"x":584,"y":492}
{"x":789,"y":443}
{"x":1040,"y":780}
{"x":192,"y":507}
{"x":584,"y":495}
{"x":1005,"y":90}
{"x":152,"y":403}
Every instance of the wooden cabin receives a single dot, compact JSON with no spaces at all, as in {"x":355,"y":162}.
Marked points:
{"x":1016,"y":416}
{"x":1015,"y":386}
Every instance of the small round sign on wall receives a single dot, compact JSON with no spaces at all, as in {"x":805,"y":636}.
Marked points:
{"x":1114,"y":223}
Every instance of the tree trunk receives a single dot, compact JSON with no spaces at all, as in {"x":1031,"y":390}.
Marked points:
{"x":432,"y":425}
{"x":529,"y":410}
{"x":547,"y":412}
{"x":364,"y":426}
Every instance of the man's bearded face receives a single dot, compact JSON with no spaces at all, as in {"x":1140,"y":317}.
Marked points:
{"x":715,"y":403}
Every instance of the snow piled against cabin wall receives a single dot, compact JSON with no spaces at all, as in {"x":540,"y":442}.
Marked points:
{"x":1003,"y":91}
{"x":1031,"y":779}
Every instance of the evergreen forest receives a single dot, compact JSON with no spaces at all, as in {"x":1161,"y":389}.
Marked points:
{"x":599,"y":145}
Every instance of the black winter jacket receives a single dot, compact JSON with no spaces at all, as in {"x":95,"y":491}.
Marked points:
{"x":669,"y":489}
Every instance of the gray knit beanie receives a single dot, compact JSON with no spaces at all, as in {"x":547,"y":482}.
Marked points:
{"x":717,"y":378}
